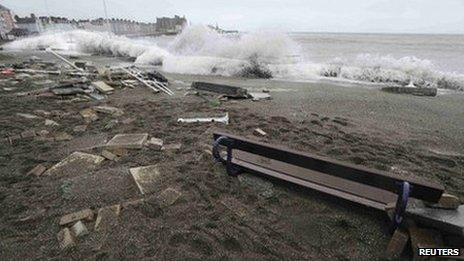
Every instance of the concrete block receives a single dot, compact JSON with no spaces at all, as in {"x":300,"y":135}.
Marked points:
{"x":65,"y":239}
{"x":89,"y":115}
{"x":172,"y":147}
{"x":108,"y":155}
{"x":447,"y":201}
{"x":109,"y":110}
{"x":128,"y":141}
{"x":154,"y":143}
{"x":79,"y":229}
{"x":102,"y":87}
{"x":86,"y":214}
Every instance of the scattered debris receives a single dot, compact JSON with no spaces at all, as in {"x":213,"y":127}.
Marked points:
{"x":128,"y":141}
{"x":397,"y":243}
{"x":80,"y":128}
{"x":151,"y":83}
{"x":79,"y":229}
{"x":146,"y":177}
{"x":109,"y":110}
{"x":154,"y":143}
{"x":102,"y":87}
{"x":86,"y":214}
{"x":446,"y":201}
{"x":51,"y":123}
{"x":27,"y":116}
{"x":76,"y":164}
{"x":168,"y":197}
{"x":172,"y":147}
{"x":223,"y":119}
{"x":107,"y":217}
{"x":412,"y":90}
{"x":37,"y":170}
{"x":108,"y":155}
{"x":65,"y":239}
{"x":259,"y":132}
{"x":226,"y":90}
{"x":62,"y":136}
{"x":28,"y":134}
{"x":89,"y":115}
{"x":257,"y":96}
{"x":64,"y":59}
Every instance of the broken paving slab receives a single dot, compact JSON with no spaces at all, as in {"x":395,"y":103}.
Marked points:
{"x":37,"y":170}
{"x":226,"y":90}
{"x":89,"y":115}
{"x":447,"y":220}
{"x":86,"y":214}
{"x":168,"y":197}
{"x":77,"y":163}
{"x":128,"y":141}
{"x":259,"y":132}
{"x":65,"y":239}
{"x":107,"y":217}
{"x":146,"y":178}
{"x":155,"y":143}
{"x":109,"y":155}
{"x":79,"y":229}
{"x":109,"y":110}
{"x":102,"y":87}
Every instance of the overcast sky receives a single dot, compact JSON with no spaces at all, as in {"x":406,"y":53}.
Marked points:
{"x":383,"y":16}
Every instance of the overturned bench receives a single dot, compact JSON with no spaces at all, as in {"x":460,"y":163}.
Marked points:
{"x":361,"y":185}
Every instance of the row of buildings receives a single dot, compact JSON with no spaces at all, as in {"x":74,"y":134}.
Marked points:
{"x":12,"y":27}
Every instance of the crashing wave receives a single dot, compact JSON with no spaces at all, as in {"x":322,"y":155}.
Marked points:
{"x":200,"y":50}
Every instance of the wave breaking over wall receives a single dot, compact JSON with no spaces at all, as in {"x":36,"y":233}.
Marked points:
{"x":200,"y":50}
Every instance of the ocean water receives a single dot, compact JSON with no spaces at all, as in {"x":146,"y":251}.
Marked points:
{"x":446,"y":52}
{"x":420,"y":60}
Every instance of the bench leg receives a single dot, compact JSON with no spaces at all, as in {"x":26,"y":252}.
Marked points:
{"x":232,"y":169}
{"x":401,"y":203}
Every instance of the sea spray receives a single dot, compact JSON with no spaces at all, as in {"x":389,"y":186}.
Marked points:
{"x":200,"y":50}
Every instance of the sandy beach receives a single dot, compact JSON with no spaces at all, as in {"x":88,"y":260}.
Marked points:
{"x":217,"y":216}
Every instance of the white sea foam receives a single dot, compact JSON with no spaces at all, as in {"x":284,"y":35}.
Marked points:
{"x":200,"y":50}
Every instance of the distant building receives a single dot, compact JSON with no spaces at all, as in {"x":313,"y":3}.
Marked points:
{"x":32,"y":24}
{"x":6,"y":22}
{"x":170,"y":25}
{"x":52,"y":23}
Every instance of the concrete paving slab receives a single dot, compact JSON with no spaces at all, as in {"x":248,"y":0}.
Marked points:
{"x":146,"y":178}
{"x":128,"y":141}
{"x":77,"y":163}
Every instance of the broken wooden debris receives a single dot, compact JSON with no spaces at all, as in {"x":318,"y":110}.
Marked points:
{"x":168,"y":197}
{"x":102,"y":87}
{"x":226,"y":90}
{"x":146,"y":178}
{"x":128,"y":141}
{"x":37,"y":170}
{"x":79,"y":229}
{"x":65,"y":239}
{"x":86,"y":214}
{"x":51,"y":123}
{"x":411,"y":90}
{"x":107,"y":217}
{"x":49,"y":50}
{"x":27,"y":116}
{"x":224,"y":119}
{"x":150,"y":82}
{"x":77,"y":163}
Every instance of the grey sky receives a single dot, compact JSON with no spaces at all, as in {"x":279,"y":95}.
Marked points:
{"x":409,"y":16}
